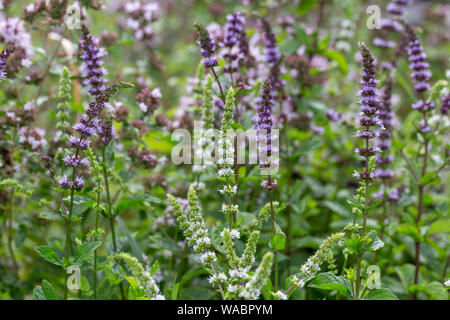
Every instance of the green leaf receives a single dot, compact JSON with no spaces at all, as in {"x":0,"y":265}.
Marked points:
{"x":411,"y":231}
{"x":48,"y":254}
{"x":338,"y":208}
{"x":84,"y":251}
{"x":45,"y":292}
{"x":430,"y":178}
{"x":38,"y":293}
{"x":406,"y":275}
{"x":376,"y":242}
{"x":435,"y":290}
{"x":155,"y":268}
{"x":278,"y":241}
{"x":380,"y":294}
{"x":354,"y":244}
{"x":175,"y":290}
{"x":137,"y":252}
{"x":305,"y":6}
{"x":128,"y":203}
{"x":338,"y":57}
{"x":329,"y":281}
{"x":439,"y":226}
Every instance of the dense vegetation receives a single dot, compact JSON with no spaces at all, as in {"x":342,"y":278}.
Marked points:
{"x":343,"y":197}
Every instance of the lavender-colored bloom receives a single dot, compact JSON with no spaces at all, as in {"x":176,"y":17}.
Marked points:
{"x":272,"y":56}
{"x":423,"y":105}
{"x":76,"y":142}
{"x":94,"y":109}
{"x":91,"y":69}
{"x":369,"y":110}
{"x":233,"y":32}
{"x":4,"y":55}
{"x":397,"y":7}
{"x":84,"y":130}
{"x":385,"y":114}
{"x":64,"y":182}
{"x":106,"y":131}
{"x":75,"y":161}
{"x":233,"y":29}
{"x":420,"y":72}
{"x":79,"y":183}
{"x":264,"y":133}
{"x":207,"y":46}
{"x":333,"y":115}
{"x":445,"y":104}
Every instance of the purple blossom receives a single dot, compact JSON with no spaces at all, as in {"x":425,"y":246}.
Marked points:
{"x":75,"y":161}
{"x":76,"y":142}
{"x":91,"y":69}
{"x":369,"y":111}
{"x":207,"y":46}
{"x":106,"y":131}
{"x":64,"y":182}
{"x":385,"y":114}
{"x":233,"y":29}
{"x":397,"y":7}
{"x":272,"y":56}
{"x":4,"y":55}
{"x":445,"y":104}
{"x":333,"y":115}
{"x":79,"y":183}
{"x":419,"y":67}
{"x":233,"y":32}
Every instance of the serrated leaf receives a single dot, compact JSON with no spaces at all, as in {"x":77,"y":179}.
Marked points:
{"x":84,"y":251}
{"x":411,"y":231}
{"x":380,"y":294}
{"x":329,"y":281}
{"x":376,"y":242}
{"x":430,"y":178}
{"x":278,"y":241}
{"x":48,"y":254}
{"x":439,"y":226}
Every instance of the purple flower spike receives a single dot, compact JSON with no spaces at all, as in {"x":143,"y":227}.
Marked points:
{"x":418,"y":65}
{"x":91,"y":69}
{"x":370,"y":109}
{"x":207,"y":46}
{"x":233,"y":32}
{"x":106,"y":131}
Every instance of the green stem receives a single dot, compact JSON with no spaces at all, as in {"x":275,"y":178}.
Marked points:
{"x":10,"y":233}
{"x":363,"y":231}
{"x":272,"y":214}
{"x":110,"y":214}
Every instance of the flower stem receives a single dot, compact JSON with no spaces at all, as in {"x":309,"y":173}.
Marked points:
{"x":110,"y":214}
{"x":10,"y":233}
{"x":363,"y":231}
{"x":272,"y":214}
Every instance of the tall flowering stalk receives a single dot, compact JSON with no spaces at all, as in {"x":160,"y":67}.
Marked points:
{"x":420,"y":75}
{"x":208,"y":50}
{"x":233,"y":31}
{"x":91,"y":68}
{"x":272,"y":56}
{"x":368,"y":120}
{"x":194,"y":229}
{"x":265,"y":137}
{"x":143,"y":277}
{"x":88,"y":125}
{"x":312,"y":266}
{"x":225,"y":160}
